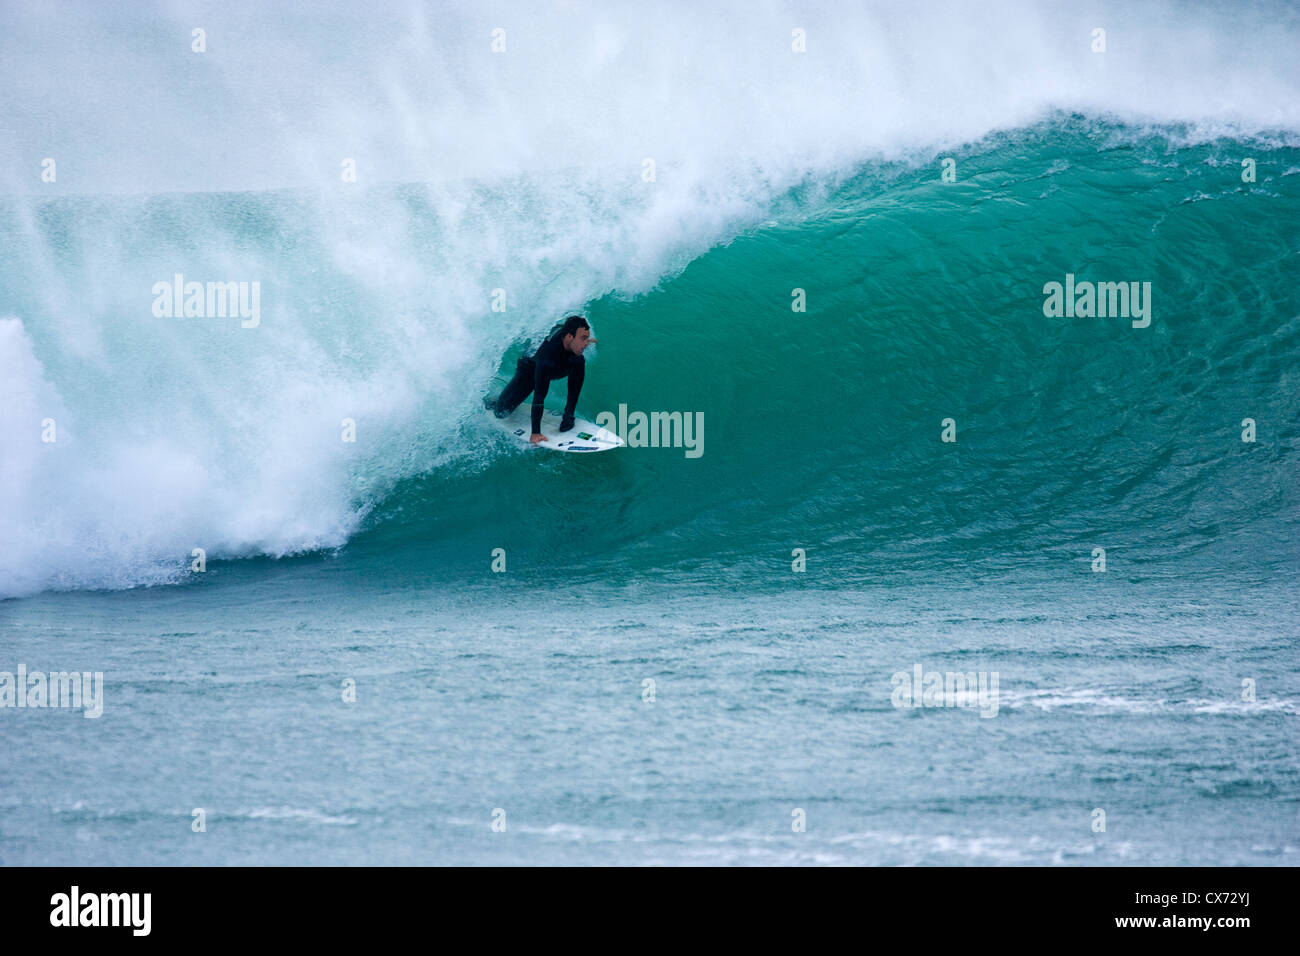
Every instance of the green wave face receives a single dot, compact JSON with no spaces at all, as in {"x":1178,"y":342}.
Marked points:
{"x":823,"y":429}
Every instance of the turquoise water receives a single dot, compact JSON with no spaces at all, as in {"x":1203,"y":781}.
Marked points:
{"x":524,"y":689}
{"x":1116,"y":696}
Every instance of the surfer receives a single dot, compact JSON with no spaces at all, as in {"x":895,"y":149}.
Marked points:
{"x":560,"y":356}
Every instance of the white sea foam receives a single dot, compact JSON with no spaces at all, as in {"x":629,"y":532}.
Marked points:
{"x":294,"y":814}
{"x":1116,"y":701}
{"x":414,"y":91}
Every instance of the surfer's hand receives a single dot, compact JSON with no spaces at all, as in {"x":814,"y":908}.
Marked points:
{"x":536,"y":438}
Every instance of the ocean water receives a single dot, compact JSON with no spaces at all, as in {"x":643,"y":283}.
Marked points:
{"x":433,"y":646}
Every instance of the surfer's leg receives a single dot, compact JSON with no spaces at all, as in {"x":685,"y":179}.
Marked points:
{"x":520,"y":387}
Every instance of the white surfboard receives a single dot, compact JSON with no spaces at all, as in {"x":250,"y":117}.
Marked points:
{"x":583,"y":437}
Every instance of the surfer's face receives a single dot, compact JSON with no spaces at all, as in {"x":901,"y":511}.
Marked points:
{"x":579,"y":341}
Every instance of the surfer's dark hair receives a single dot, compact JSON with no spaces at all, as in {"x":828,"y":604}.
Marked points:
{"x":571,"y":325}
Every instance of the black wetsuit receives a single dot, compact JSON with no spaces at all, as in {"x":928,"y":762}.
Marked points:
{"x":535,"y":375}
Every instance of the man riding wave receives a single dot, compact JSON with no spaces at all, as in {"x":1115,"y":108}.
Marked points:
{"x":560,"y":356}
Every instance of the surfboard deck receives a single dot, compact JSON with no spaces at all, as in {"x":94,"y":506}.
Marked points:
{"x":583,"y":438}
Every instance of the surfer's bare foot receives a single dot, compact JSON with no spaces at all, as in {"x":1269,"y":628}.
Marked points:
{"x":536,"y":438}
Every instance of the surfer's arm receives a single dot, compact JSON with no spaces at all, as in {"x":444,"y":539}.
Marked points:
{"x":575,"y":388}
